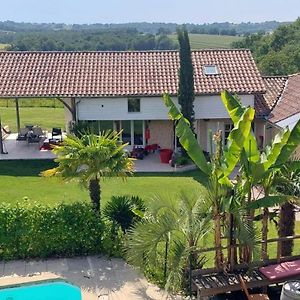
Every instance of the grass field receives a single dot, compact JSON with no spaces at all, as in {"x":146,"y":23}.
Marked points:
{"x":32,"y":102}
{"x":45,"y":117}
{"x":207,"y":41}
{"x":3,"y":46}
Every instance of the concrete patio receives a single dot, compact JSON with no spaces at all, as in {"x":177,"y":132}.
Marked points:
{"x":23,"y":150}
{"x":105,"y":279}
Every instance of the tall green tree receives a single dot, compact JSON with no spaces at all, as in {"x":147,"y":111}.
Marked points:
{"x":186,"y":94}
{"x":276,"y":53}
{"x":89,"y":159}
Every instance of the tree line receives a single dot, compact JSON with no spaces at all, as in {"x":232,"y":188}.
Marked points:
{"x":277,"y":53}
{"x":72,"y":40}
{"x":146,"y":27}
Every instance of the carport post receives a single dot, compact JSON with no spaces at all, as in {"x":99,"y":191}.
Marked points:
{"x":18,"y":115}
{"x":1,"y":139}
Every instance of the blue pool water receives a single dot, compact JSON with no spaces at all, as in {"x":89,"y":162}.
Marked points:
{"x":42,"y":291}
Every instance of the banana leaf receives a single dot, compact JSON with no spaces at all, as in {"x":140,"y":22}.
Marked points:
{"x":186,"y":136}
{"x":272,"y":154}
{"x":269,"y":201}
{"x":236,"y":140}
{"x":236,"y":110}
{"x":290,"y":146}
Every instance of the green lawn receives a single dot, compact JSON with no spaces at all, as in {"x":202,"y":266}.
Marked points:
{"x":206,"y":41}
{"x":20,"y":179}
{"x":45,"y":117}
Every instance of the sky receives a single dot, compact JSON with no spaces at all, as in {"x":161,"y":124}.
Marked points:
{"x":122,"y":11}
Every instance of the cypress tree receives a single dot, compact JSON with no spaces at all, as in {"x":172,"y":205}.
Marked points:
{"x":186,"y":94}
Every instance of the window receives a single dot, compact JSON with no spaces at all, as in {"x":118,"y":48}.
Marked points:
{"x":211,"y":70}
{"x":134,"y":105}
{"x":227,"y":129}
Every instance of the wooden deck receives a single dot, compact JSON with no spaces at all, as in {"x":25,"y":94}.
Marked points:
{"x":207,"y":283}
{"x":210,"y":282}
{"x":220,"y":283}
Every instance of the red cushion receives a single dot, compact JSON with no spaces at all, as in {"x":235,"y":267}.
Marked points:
{"x":282,"y":270}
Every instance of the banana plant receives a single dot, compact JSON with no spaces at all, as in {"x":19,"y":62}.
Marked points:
{"x":223,"y":161}
{"x":261,"y":168}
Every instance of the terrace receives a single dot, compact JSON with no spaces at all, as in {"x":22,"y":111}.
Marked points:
{"x":22,"y":150}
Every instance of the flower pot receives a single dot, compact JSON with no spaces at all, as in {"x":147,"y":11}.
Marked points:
{"x":165,"y":155}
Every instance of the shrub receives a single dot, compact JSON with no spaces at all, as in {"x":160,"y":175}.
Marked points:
{"x":82,"y":127}
{"x":121,"y":211}
{"x":34,"y":230}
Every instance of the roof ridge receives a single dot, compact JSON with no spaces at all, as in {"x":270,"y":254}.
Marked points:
{"x":293,"y":75}
{"x":281,"y":94}
{"x":130,"y":51}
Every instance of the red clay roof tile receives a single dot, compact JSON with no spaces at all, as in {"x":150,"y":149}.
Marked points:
{"x":100,"y":74}
{"x":289,"y":102}
{"x":274,"y":88}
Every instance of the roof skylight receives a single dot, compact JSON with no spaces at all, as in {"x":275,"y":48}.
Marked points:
{"x":210,"y":70}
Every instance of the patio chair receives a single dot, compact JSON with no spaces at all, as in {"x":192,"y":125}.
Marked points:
{"x":253,"y":296}
{"x":38,"y":131}
{"x":35,"y":135}
{"x":56,"y":132}
{"x":22,"y":135}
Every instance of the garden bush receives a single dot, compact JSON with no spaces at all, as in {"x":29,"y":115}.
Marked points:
{"x":120,"y":210}
{"x":34,"y":230}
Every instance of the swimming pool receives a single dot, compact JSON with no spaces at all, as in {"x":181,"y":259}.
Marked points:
{"x":49,"y":290}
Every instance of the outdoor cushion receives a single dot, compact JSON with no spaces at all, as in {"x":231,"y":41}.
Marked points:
{"x":280,"y":271}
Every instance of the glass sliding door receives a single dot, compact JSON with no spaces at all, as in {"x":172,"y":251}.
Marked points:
{"x":138,"y":132}
{"x":126,"y":134}
{"x":133,"y":132}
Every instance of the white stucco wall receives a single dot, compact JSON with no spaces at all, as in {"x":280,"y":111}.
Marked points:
{"x":152,"y":108}
{"x":289,"y":122}
{"x":211,"y":107}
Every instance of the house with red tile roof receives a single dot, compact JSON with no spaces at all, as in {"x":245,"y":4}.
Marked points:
{"x":282,"y":103}
{"x":123,"y":90}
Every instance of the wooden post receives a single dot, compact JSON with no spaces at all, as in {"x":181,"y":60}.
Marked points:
{"x":132,"y":133}
{"x":73,"y":107}
{"x":18,"y":115}
{"x":1,"y":140}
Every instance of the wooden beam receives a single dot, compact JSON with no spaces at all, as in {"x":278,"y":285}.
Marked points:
{"x":18,"y":114}
{"x":273,"y":240}
{"x":71,"y":108}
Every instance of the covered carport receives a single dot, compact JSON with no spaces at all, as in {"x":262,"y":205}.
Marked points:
{"x":35,"y":75}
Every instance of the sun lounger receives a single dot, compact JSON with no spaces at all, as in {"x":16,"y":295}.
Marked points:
{"x":281,"y":271}
{"x":35,"y":135}
{"x":22,"y":135}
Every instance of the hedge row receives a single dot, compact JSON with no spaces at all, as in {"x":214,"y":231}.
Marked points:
{"x":33,"y":230}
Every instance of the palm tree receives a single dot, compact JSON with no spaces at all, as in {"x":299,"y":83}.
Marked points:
{"x":288,"y":183}
{"x":170,"y":235}
{"x":90,"y":158}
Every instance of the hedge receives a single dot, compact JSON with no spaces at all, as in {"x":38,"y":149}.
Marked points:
{"x":32,"y":230}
